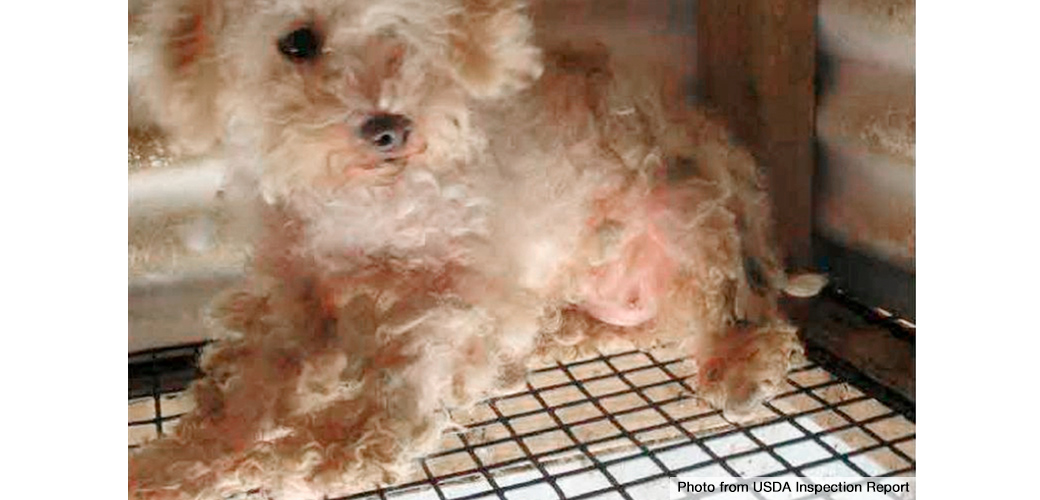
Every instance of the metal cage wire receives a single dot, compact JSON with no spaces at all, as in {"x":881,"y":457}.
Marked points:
{"x":615,"y":425}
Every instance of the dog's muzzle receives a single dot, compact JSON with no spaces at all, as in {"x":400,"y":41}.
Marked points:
{"x":386,"y":133}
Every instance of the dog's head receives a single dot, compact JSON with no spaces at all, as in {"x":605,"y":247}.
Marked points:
{"x":330,"y":92}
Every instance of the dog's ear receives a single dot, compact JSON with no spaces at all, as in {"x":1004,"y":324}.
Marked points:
{"x":180,"y":78}
{"x":492,"y":48}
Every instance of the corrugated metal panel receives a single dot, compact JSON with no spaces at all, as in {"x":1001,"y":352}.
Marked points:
{"x":866,"y":131}
{"x":866,"y":192}
{"x":881,"y":31}
{"x":183,"y":245}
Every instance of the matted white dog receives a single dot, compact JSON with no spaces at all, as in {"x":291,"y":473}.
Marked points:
{"x":442,"y":201}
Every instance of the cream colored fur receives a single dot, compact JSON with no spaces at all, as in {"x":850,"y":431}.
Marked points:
{"x":549,"y":200}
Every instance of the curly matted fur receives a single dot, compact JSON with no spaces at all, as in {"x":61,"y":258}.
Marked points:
{"x":543,"y":199}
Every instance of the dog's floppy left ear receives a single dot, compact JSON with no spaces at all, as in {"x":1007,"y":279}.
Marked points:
{"x":180,"y":80}
{"x":492,"y":49}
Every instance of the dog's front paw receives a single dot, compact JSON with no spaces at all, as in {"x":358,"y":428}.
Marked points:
{"x":748,"y":369}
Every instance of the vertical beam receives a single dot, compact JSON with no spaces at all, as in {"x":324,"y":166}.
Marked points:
{"x":756,"y":64}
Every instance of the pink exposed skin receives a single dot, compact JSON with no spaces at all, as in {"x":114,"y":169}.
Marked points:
{"x":625,"y":292}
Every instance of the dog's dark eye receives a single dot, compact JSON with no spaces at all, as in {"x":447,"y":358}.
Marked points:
{"x":302,"y":44}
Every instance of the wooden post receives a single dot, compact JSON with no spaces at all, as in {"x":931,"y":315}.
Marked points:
{"x":756,"y":65}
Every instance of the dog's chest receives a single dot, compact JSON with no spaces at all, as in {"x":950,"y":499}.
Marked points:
{"x":419,"y":221}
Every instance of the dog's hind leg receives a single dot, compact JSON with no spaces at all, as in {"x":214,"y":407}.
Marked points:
{"x":368,"y":406}
{"x":725,"y":294}
{"x":248,"y":377}
{"x":224,"y":422}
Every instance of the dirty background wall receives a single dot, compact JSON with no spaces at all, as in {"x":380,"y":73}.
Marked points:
{"x":865,"y":127}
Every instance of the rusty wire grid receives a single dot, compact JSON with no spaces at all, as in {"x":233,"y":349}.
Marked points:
{"x":616,"y":426}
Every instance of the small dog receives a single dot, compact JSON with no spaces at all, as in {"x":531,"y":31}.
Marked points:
{"x":442,"y":199}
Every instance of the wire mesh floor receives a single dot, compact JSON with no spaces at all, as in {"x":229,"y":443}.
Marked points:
{"x":614,"y":426}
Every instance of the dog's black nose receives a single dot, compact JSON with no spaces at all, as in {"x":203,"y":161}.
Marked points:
{"x":387,"y":133}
